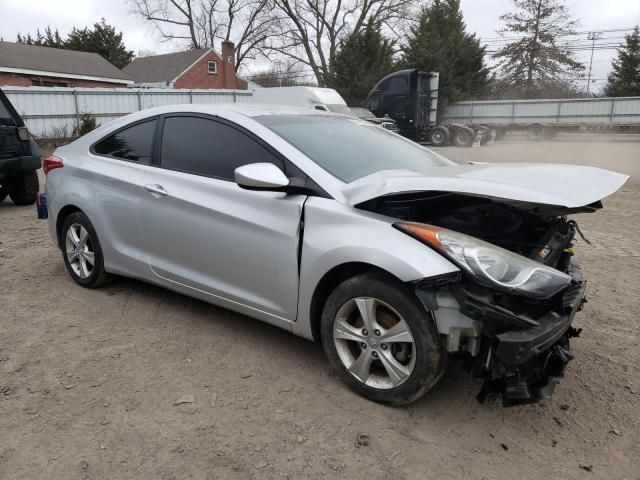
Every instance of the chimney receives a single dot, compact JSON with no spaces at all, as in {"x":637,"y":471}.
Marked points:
{"x":228,"y":64}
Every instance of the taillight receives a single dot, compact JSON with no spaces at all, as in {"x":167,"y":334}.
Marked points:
{"x":50,"y":163}
{"x":23,"y":134}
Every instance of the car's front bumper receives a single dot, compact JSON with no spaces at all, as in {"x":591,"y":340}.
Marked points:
{"x":524,"y":365}
{"x":517,"y":346}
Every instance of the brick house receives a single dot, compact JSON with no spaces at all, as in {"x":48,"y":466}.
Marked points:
{"x":31,"y":65}
{"x":202,"y":68}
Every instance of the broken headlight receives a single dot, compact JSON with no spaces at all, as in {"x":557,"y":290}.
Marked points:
{"x":489,"y":264}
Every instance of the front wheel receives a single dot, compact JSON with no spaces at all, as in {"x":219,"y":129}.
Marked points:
{"x":439,"y":136}
{"x":381,"y":340}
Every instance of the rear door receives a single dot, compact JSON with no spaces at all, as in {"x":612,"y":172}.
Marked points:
{"x":204,"y":232}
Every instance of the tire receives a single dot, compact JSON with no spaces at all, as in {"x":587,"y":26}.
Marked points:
{"x":421,"y":360}
{"x":535,"y":133}
{"x":72,"y":239}
{"x":23,"y":187}
{"x":463,"y":137}
{"x":439,"y":136}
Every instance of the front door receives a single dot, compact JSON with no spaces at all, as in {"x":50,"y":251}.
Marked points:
{"x":204,"y":232}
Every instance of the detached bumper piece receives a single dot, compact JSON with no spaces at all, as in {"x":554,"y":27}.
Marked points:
{"x":524,"y":366}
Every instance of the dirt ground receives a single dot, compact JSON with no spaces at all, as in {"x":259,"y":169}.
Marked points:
{"x":89,"y":379}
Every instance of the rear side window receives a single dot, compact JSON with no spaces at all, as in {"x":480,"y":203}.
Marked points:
{"x":134,"y":143}
{"x":209,"y":148}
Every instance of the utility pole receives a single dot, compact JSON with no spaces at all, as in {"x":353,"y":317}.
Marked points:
{"x":593,"y":36}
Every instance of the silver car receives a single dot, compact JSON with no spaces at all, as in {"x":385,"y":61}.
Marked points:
{"x":338,"y":231}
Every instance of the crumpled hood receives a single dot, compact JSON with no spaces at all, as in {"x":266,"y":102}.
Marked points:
{"x":551,"y":184}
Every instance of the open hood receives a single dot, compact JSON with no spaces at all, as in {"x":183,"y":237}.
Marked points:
{"x":569,"y":186}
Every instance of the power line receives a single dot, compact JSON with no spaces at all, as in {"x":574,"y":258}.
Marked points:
{"x":572,"y":34}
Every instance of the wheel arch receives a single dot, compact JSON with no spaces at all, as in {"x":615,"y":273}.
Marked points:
{"x":60,"y":218}
{"x":330,"y":280}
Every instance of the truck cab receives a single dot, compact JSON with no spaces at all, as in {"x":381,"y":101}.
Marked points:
{"x":410,"y":97}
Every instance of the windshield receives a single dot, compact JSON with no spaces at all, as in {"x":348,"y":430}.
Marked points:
{"x":350,"y":148}
{"x":343,"y":109}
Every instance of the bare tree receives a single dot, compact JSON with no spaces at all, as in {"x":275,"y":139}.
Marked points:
{"x":311,"y":30}
{"x":200,"y":23}
{"x":536,"y":58}
{"x":287,"y":73}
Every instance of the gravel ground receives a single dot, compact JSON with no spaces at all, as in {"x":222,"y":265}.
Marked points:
{"x":133,"y":381}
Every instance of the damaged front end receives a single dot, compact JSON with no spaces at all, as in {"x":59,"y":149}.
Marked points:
{"x":510,"y":308}
{"x":520,"y":350}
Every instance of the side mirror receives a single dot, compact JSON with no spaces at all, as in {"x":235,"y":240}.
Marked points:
{"x":261,"y":176}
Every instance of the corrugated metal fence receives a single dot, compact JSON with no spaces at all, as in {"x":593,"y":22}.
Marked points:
{"x":55,"y":111}
{"x":579,"y":111}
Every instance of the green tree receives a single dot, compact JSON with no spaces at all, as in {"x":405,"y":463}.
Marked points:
{"x":49,"y":39}
{"x":440,"y":42}
{"x":101,"y":39}
{"x":362,"y":59}
{"x":624,"y":79}
{"x":535,"y":62}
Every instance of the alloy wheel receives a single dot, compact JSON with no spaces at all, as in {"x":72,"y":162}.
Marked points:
{"x":374,"y":343}
{"x":79,"y":250}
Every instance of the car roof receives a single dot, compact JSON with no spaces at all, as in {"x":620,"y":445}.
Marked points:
{"x":246,"y":109}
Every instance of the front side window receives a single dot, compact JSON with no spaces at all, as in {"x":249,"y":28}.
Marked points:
{"x":208,"y":147}
{"x":134,"y":143}
{"x":373,"y":103}
{"x":350,"y":148}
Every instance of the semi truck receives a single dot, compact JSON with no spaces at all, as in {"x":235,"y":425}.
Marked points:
{"x":410,"y":97}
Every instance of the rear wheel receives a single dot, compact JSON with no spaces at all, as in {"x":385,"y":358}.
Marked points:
{"x":535,"y":133}
{"x":439,"y":136}
{"x":23,"y":187}
{"x":381,"y":340}
{"x":463,"y":137}
{"x":81,"y":251}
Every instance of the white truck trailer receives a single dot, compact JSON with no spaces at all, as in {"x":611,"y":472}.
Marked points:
{"x":317,"y":98}
{"x":543,"y":119}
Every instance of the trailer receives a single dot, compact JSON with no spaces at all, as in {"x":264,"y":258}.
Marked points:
{"x":544,"y":119}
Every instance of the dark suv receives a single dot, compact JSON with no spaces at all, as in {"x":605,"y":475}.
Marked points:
{"x":19,"y":157}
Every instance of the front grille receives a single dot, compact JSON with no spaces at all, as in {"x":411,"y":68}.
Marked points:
{"x":389,"y":126}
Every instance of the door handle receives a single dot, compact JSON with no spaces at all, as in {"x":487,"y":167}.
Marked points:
{"x":156,"y":190}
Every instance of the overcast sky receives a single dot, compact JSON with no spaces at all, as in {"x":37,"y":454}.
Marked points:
{"x":481,"y":17}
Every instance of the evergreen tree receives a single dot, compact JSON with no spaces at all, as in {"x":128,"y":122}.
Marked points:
{"x":624,"y":80}
{"x":440,"y":42}
{"x":49,"y":39}
{"x":535,"y":63}
{"x":102,"y":39}
{"x":362,"y":59}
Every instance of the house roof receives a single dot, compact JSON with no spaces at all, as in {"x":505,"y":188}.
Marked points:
{"x":37,"y":60}
{"x":163,"y":68}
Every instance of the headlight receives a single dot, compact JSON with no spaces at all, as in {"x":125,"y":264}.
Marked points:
{"x":490,"y":265}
